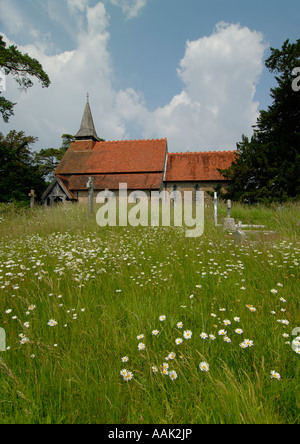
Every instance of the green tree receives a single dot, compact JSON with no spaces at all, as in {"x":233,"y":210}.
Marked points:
{"x":48,"y":159}
{"x":18,"y":173}
{"x":22,"y":68}
{"x":267,"y":167}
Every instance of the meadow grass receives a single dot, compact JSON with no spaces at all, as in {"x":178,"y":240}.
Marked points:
{"x":80,"y":303}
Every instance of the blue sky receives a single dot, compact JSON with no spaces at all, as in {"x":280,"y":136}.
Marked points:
{"x":189,"y":70}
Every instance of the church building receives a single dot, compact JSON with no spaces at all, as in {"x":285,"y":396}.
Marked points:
{"x":144,"y":165}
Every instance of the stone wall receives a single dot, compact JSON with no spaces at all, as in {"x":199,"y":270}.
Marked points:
{"x":168,"y":186}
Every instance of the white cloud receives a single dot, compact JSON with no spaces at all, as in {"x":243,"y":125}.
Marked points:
{"x":12,"y":17}
{"x":76,"y":6}
{"x":216,"y":105}
{"x":130,"y":8}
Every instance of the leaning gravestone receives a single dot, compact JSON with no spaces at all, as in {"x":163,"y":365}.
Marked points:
{"x":239,"y":236}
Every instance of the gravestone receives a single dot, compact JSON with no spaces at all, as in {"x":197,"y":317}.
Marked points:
{"x":228,"y":208}
{"x":91,"y":191}
{"x":239,"y":236}
{"x":228,"y":222}
{"x":32,"y":196}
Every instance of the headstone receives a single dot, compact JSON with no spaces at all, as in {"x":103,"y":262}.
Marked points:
{"x":228,"y":208}
{"x":216,"y":208}
{"x":239,"y":236}
{"x":229,"y":224}
{"x":32,"y":196}
{"x":2,"y":340}
{"x":91,"y":190}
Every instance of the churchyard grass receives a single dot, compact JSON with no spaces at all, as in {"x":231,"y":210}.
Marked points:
{"x":80,"y":303}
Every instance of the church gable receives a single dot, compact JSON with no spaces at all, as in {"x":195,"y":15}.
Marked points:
{"x":58,"y":192}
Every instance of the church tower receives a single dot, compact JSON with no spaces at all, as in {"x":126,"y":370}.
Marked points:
{"x":87,"y":128}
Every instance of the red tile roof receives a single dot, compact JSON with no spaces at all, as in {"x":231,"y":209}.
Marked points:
{"x":201,"y":166}
{"x":134,"y":181}
{"x":127,"y":156}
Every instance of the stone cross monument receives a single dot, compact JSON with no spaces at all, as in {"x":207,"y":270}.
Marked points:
{"x":32,"y":196}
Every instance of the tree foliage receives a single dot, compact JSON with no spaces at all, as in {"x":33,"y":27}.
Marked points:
{"x":22,"y":67}
{"x":48,"y":159}
{"x":18,"y":172}
{"x":267,"y":167}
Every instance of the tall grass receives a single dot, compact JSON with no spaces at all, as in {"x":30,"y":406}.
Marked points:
{"x":106,"y":287}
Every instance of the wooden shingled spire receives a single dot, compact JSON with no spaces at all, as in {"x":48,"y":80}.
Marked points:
{"x":87,"y":128}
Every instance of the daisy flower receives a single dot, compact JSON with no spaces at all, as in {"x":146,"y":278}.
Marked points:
{"x":154,"y":369}
{"x":275,"y":375}
{"x":237,"y":319}
{"x":179,"y":325}
{"x":222,"y":333}
{"x":212,"y":337}
{"x":172,"y":355}
{"x":204,"y":366}
{"x":226,"y":322}
{"x":141,"y":346}
{"x":203,"y":335}
{"x":187,"y":334}
{"x":226,"y":339}
{"x":178,"y":341}
{"x":173,"y":375}
{"x":128,"y":376}
{"x":139,"y":337}
{"x":125,"y":359}
{"x":274,"y":291}
{"x":24,"y":340}
{"x":162,"y":318}
{"x":239,"y":331}
{"x":155,"y":332}
{"x":52,"y":323}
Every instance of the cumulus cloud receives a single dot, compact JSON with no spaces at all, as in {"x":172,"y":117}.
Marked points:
{"x":216,"y":106}
{"x":219,"y":74}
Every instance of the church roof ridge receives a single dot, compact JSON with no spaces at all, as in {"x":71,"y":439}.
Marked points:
{"x":134,"y":140}
{"x":201,"y":152}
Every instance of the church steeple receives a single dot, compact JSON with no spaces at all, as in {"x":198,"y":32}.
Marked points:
{"x":87,"y":129}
